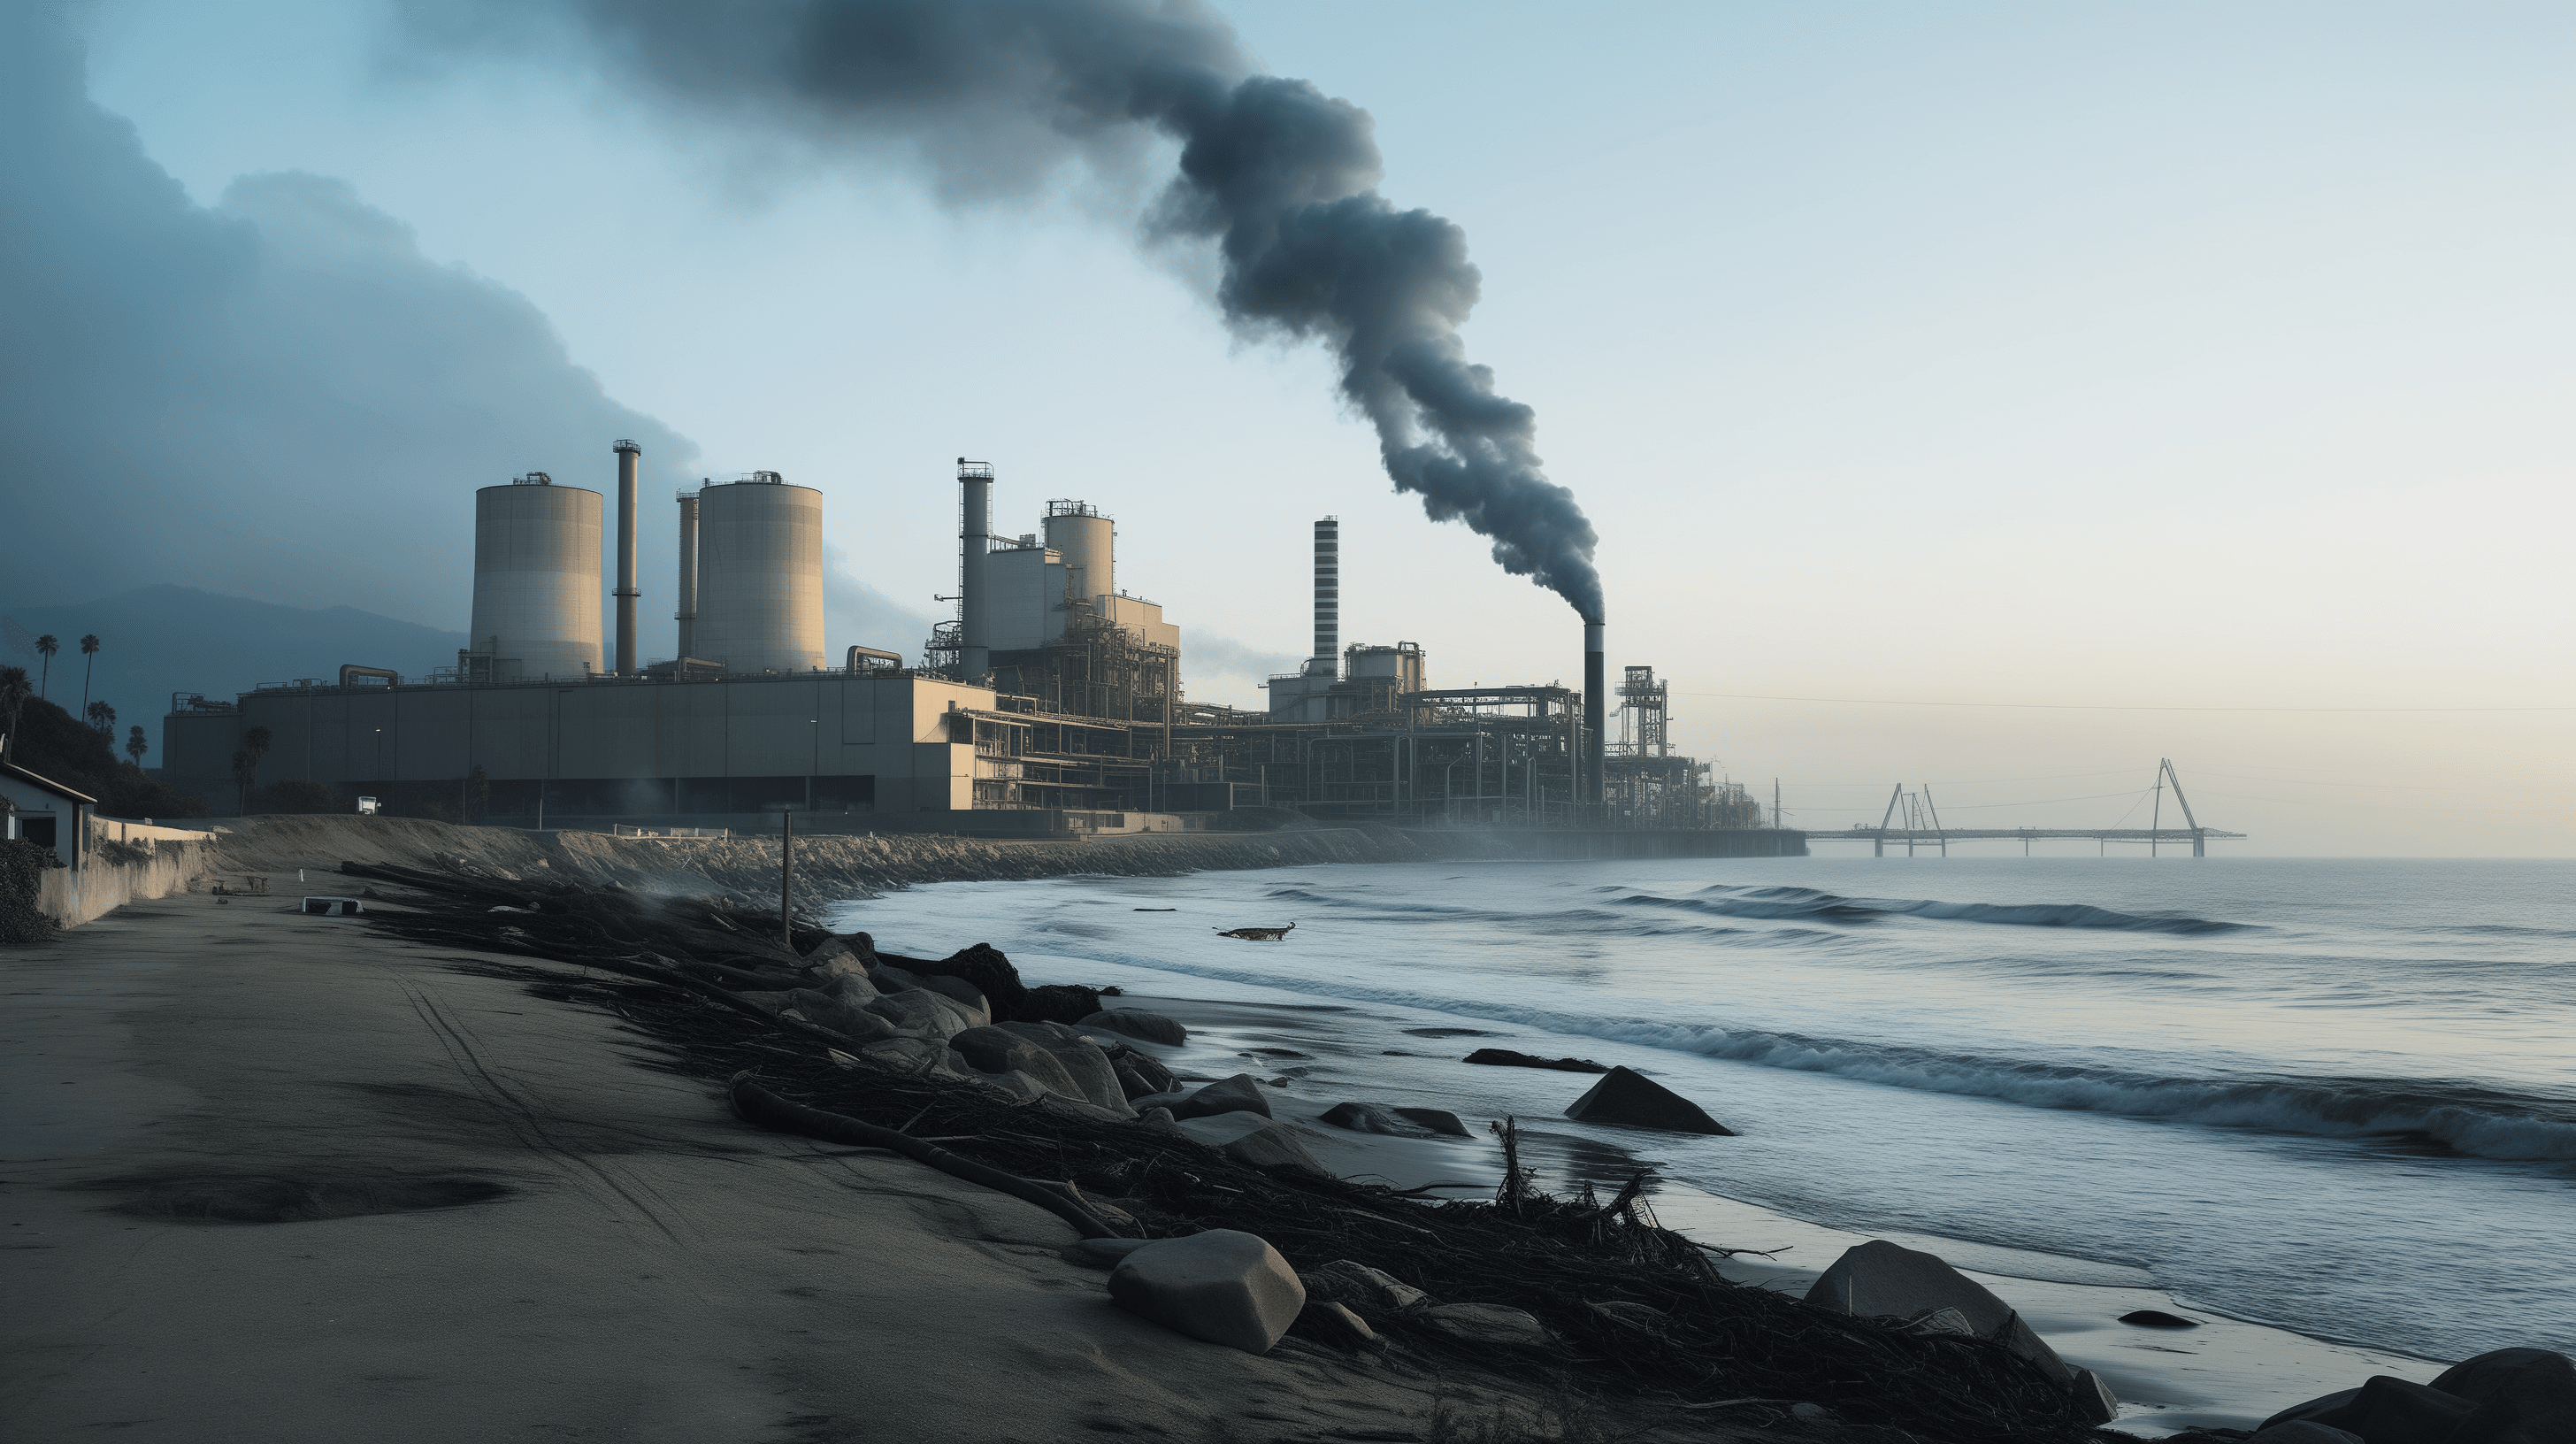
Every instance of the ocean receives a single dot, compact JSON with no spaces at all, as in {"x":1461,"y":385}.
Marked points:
{"x":2334,"y":1096}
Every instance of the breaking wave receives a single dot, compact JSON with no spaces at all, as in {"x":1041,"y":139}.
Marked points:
{"x":1802,"y":902}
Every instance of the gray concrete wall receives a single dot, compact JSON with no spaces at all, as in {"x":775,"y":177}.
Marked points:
{"x":834,"y":727}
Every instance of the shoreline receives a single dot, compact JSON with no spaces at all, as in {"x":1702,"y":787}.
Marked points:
{"x":2227,"y":1373}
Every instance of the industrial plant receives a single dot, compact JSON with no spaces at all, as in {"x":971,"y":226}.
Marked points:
{"x":1051,"y":702}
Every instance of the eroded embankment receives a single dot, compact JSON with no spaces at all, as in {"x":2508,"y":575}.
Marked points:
{"x":826,"y":866}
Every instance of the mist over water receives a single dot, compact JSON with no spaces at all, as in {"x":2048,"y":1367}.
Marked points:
{"x":2330,"y":1095}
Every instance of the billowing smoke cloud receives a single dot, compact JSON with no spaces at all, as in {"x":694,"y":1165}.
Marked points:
{"x":997,"y":93}
{"x":277,"y":396}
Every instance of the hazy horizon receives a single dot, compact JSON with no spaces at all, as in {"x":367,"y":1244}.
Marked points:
{"x":2000,"y":399}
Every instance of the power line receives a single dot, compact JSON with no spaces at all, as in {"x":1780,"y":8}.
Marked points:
{"x":2095,"y":706}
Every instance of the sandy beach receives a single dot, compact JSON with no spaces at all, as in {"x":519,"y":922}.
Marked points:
{"x":496,"y":1224}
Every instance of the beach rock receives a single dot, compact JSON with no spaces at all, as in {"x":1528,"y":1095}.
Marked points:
{"x":1347,"y":1281}
{"x":1223,"y":1286}
{"x":1632,"y":1100}
{"x":1018,"y":1087}
{"x":2093,"y":1401}
{"x":1161,"y":1117}
{"x":923,"y":1014}
{"x":2389,"y":1410}
{"x":772,"y":1002}
{"x":1485,"y":1326}
{"x":1253,"y":1138}
{"x":991,"y":1050}
{"x":1942,"y":1321}
{"x":1879,"y":1279}
{"x":1137,"y":1023}
{"x":1102,"y":1253}
{"x":1081,"y":1058}
{"x":963,"y":994}
{"x":1132,"y":1063}
{"x":1644,"y":1318}
{"x":2315,"y":1408}
{"x":981,"y":967}
{"x":887,"y":978}
{"x":918,"y":1057}
{"x":850,"y":1020}
{"x":1339,"y":1325}
{"x":833,"y":956}
{"x":1440,"y":1121}
{"x":2520,"y":1396}
{"x":1240,"y":1093}
{"x":1167,"y":1101}
{"x":1506,"y":1058}
{"x":1369,"y":1118}
{"x":2304,"y":1432}
{"x":2158,"y":1319}
{"x":851,"y":988}
{"x":1133,"y":1082}
{"x":1056,"y":1003}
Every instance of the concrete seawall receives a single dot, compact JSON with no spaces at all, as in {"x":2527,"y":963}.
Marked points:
{"x":123,"y":862}
{"x":831,"y":866}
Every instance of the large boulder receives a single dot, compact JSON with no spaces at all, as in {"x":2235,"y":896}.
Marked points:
{"x":919,"y":1057}
{"x":1507,"y":1058}
{"x":1252,"y":1138}
{"x":1238,"y":1094}
{"x":1369,"y":1118}
{"x":1081,"y":1058}
{"x":1137,"y":1023}
{"x":1348,"y":1281}
{"x":2520,"y":1396}
{"x":1225,"y":1287}
{"x":1139,"y":1073}
{"x":2385,"y":1410}
{"x":1438,"y":1120}
{"x":833,"y":957}
{"x":982,"y":967}
{"x":851,"y":1020}
{"x":2093,"y":1398}
{"x":890,"y":979}
{"x":2304,"y":1431}
{"x":1881,"y":1280}
{"x":1485,"y":1326}
{"x":924,"y":1014}
{"x":992,"y":1050}
{"x":1630,"y":1099}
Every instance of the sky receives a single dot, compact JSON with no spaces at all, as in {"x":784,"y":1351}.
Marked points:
{"x":1993,"y":397}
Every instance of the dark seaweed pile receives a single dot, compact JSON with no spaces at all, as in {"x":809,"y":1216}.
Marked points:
{"x":672,"y":961}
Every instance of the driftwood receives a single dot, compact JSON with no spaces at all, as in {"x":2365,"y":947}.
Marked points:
{"x":1554,"y":1256}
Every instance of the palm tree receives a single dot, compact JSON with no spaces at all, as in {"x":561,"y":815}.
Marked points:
{"x":246,"y":762}
{"x":48,"y":644}
{"x":103,"y":717}
{"x":13,"y":695}
{"x":89,"y":649}
{"x":136,"y":745}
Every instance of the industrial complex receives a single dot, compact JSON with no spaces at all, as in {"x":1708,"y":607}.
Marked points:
{"x":1052,"y":701}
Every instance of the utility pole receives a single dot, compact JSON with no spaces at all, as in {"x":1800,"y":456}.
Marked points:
{"x":1775,"y":804}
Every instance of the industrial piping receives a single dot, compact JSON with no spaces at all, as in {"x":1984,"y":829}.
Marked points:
{"x":687,"y":615}
{"x":627,"y":452}
{"x":974,"y":541}
{"x":1595,"y":717}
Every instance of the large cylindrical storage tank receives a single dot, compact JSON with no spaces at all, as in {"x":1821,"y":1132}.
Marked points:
{"x":536,"y":579}
{"x":1087,"y":541}
{"x":760,"y":575}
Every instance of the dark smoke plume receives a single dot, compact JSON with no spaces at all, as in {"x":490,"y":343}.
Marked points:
{"x":996,"y":93}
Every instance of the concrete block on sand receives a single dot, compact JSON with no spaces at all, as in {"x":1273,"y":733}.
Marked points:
{"x":1082,"y":1060}
{"x":991,"y":1050}
{"x":1223,"y":1286}
{"x":1486,"y":1326}
{"x":1881,"y":1280}
{"x":1238,"y":1094}
{"x":1633,"y":1100}
{"x":1138,"y":1023}
{"x":1348,"y":1281}
{"x":2305,"y":1432}
{"x":1251,"y":1138}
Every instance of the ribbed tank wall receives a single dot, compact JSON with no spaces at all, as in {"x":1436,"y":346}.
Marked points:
{"x":536,"y":580}
{"x":1087,"y":543}
{"x":760,"y":577}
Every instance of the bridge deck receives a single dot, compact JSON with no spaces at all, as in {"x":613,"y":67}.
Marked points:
{"x":1971,"y":834}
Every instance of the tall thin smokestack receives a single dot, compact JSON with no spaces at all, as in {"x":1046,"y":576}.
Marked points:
{"x":974,"y":540}
{"x":687,"y":615}
{"x":627,"y":452}
{"x":1327,"y":660}
{"x":1595,"y":717}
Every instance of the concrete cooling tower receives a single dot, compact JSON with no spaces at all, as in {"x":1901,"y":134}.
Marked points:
{"x":760,"y":576}
{"x":536,"y":581}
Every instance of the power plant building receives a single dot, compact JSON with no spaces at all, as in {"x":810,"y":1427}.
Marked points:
{"x":759,"y":599}
{"x":536,"y":582}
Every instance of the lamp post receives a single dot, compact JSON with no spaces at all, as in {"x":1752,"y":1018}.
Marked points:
{"x":380,"y":757}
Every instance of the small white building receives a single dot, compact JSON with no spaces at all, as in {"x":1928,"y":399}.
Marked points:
{"x":44,"y":812}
